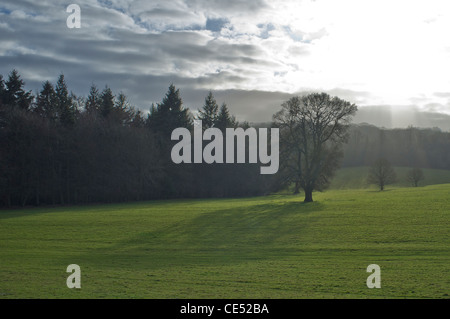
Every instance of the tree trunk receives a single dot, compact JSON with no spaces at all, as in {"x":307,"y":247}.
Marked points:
{"x":308,"y":195}
{"x":297,"y":188}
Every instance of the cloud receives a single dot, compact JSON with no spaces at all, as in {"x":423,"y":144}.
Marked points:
{"x":180,"y":38}
{"x":259,"y":51}
{"x":216,"y":25}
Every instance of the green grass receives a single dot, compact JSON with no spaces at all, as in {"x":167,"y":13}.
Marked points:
{"x":356,"y":178}
{"x":268,"y":247}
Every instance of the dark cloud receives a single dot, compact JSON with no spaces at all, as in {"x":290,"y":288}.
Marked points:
{"x":141,"y":47}
{"x":230,"y":6}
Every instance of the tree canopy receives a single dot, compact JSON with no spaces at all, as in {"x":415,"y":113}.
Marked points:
{"x":381,"y":173}
{"x":312,"y":130}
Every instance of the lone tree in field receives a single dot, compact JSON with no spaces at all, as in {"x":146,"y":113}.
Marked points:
{"x":312,"y":130}
{"x":381,"y":173}
{"x":415,"y":175}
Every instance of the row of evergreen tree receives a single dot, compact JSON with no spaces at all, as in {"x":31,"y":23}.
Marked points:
{"x":59,"y":148}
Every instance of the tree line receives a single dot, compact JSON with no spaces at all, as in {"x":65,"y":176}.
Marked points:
{"x":58,"y":148}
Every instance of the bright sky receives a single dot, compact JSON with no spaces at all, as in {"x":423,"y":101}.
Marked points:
{"x":394,"y":50}
{"x":372,"y":52}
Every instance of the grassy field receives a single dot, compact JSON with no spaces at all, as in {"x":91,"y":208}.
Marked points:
{"x":268,"y":247}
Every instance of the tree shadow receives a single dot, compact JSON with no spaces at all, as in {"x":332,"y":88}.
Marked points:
{"x":379,"y":191}
{"x":216,"y":237}
{"x":22,"y":212}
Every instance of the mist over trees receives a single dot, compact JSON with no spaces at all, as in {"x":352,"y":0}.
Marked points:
{"x":410,"y":147}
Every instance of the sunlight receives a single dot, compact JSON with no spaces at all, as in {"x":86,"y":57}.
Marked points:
{"x":367,"y":47}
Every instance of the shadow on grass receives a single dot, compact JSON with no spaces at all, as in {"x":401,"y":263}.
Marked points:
{"x":218,"y":237}
{"x":22,"y":212}
{"x":18,"y":212}
{"x":378,"y":191}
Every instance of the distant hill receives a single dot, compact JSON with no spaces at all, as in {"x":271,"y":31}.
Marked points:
{"x":259,"y":106}
{"x":401,"y":117}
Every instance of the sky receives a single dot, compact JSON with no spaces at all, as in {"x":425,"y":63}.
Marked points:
{"x":391,"y":58}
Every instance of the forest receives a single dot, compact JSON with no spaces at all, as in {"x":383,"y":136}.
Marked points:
{"x":408,"y":147}
{"x":57,"y":148}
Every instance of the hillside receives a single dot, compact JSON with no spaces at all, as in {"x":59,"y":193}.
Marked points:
{"x":264,"y":247}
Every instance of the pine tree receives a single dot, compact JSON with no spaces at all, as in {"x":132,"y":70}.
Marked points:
{"x":46,"y":102}
{"x":169,"y":114}
{"x":208,"y":115}
{"x":64,"y":102}
{"x":94,"y":100}
{"x":224,"y":119}
{"x":151,"y":116}
{"x":107,"y":102}
{"x":3,"y":121}
{"x":15,"y":96}
{"x":138,"y":120}
{"x":123,"y":112}
{"x":2,"y":90}
{"x":163,"y":119}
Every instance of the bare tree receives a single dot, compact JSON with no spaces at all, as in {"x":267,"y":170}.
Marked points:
{"x":312,"y":130}
{"x":381,"y":173}
{"x":415,"y":175}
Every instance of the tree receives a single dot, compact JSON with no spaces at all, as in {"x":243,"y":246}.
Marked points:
{"x":93,"y":101}
{"x":64,"y":102}
{"x":123,"y":111}
{"x":381,"y":173}
{"x":14,"y":95}
{"x":169,"y":114}
{"x":2,"y":103}
{"x":46,"y":102}
{"x":162,"y":120}
{"x":106,"y":102}
{"x":2,"y":90}
{"x":224,"y":119}
{"x":208,"y":115}
{"x":415,"y":175}
{"x":138,"y":119}
{"x":312,"y":130}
